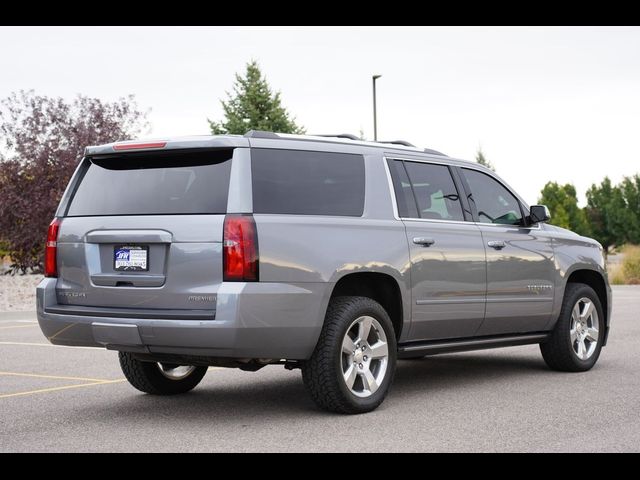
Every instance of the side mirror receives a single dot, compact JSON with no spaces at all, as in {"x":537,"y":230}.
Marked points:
{"x":539,"y":214}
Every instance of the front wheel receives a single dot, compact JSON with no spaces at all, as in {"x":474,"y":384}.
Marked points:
{"x":160,"y":378}
{"x":353,"y":364}
{"x":576,"y":341}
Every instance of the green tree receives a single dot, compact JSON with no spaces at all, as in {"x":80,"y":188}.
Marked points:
{"x":562,"y":201}
{"x":253,"y":106}
{"x":609,"y":214}
{"x":482,"y":160}
{"x":631,"y":191}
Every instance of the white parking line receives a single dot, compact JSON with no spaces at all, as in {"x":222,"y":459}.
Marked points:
{"x":33,"y":344}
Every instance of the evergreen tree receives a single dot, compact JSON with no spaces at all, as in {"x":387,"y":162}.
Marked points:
{"x":254,"y":106}
{"x":482,"y":160}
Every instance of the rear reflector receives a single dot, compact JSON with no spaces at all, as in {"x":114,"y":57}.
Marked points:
{"x":138,"y":146}
{"x":51,"y":249}
{"x":240,"y":249}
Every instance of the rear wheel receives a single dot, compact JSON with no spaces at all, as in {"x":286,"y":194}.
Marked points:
{"x":576,"y":341}
{"x":353,"y":364}
{"x":160,"y":378}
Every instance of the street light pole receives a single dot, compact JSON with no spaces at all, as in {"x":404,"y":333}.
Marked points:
{"x":375,"y":116}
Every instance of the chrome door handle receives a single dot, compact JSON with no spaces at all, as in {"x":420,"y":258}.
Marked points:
{"x":497,"y":244}
{"x":424,"y":241}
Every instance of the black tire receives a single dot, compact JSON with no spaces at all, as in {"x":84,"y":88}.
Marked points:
{"x":147,"y":377}
{"x":558,"y":351}
{"x":322,"y":373}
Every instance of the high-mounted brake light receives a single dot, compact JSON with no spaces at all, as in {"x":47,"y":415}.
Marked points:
{"x":51,"y":249}
{"x":240,"y":249}
{"x":138,"y":146}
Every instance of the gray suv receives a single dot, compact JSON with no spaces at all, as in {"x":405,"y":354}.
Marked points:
{"x":329,"y":254}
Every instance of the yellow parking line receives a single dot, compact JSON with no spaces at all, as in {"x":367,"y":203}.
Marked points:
{"x":19,"y":326}
{"x":56,"y":377}
{"x":55,"y":389}
{"x":34,"y":344}
{"x":61,"y":331}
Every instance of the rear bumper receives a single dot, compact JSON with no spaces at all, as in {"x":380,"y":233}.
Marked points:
{"x":253,"y":320}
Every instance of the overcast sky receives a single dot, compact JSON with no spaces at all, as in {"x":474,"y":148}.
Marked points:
{"x":545,"y":104}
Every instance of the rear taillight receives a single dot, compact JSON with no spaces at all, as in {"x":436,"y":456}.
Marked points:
{"x":240,"y":249}
{"x":51,"y":249}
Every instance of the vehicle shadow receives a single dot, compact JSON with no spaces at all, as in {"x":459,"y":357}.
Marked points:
{"x":457,"y":370}
{"x":256,"y":398}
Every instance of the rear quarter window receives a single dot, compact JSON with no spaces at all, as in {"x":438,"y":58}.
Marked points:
{"x":153,"y":184}
{"x":307,"y":183}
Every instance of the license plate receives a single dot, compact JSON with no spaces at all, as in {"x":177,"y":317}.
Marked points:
{"x":131,"y":258}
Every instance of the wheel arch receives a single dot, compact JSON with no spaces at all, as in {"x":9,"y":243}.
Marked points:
{"x":381,"y":287}
{"x":596,"y":280}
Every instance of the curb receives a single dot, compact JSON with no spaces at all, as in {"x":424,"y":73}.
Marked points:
{"x":28,"y":315}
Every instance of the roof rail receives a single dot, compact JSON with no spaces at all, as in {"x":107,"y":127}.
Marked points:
{"x":397,"y":142}
{"x":434,"y":152}
{"x":263,"y":134}
{"x":341,"y":135}
{"x":260,"y":134}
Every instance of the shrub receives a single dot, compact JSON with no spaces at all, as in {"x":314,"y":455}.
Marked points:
{"x":627,"y":272}
{"x":631,"y":264}
{"x":616,"y":277}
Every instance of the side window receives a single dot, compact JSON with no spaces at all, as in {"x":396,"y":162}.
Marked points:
{"x":307,"y":183}
{"x":435,"y":192}
{"x":404,"y":196}
{"x":494,"y":203}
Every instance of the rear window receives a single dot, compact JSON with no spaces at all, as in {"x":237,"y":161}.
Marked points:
{"x":307,"y":183}
{"x":161,"y":183}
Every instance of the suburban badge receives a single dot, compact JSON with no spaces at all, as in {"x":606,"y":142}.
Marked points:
{"x":539,"y":288}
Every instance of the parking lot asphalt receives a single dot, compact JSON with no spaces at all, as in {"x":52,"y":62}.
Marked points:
{"x":75,"y":399}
